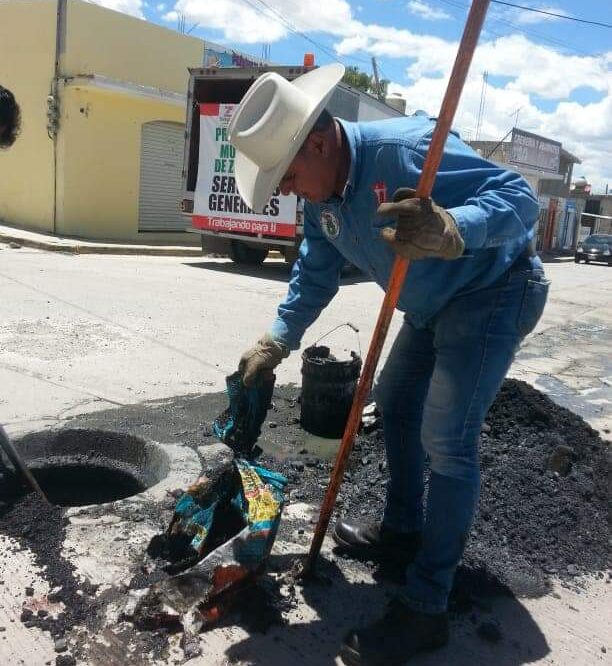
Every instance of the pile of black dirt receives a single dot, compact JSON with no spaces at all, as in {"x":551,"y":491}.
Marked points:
{"x":544,"y":498}
{"x":545,"y":493}
{"x":41,"y":529}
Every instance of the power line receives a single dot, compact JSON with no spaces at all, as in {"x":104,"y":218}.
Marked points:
{"x":278,"y":16}
{"x":547,"y":13}
{"x":528,"y":32}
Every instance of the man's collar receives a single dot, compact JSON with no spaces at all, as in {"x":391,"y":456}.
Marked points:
{"x":350,"y":134}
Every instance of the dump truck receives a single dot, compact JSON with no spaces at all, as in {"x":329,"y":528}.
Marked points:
{"x":225,"y":224}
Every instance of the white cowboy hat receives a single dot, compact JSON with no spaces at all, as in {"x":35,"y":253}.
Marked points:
{"x":270,"y":125}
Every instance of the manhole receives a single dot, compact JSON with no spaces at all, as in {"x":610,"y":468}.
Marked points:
{"x":83,"y":467}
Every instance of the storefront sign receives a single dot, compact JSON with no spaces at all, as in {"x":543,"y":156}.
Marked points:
{"x":536,"y":152}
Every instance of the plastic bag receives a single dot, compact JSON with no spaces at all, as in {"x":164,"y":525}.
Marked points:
{"x":239,"y":426}
{"x":223,"y":530}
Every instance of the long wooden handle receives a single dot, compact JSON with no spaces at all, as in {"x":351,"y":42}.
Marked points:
{"x":456,"y":82}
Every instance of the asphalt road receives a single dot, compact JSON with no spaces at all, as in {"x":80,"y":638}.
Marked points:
{"x":83,"y":333}
{"x":86,"y":333}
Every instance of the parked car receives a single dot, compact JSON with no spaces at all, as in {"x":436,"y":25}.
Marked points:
{"x":597,"y":247}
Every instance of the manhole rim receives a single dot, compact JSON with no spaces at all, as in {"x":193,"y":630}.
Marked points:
{"x":176,"y":464}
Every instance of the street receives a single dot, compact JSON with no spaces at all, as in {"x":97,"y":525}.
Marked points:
{"x":83,"y":333}
{"x":86,"y":335}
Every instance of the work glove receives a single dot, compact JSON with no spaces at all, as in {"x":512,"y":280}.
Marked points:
{"x":265,"y":355}
{"x":423,"y":228}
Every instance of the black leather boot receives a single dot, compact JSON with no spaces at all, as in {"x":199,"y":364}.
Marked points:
{"x":399,"y":635}
{"x":376,"y":542}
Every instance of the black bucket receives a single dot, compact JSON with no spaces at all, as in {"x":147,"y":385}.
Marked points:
{"x":328,"y":386}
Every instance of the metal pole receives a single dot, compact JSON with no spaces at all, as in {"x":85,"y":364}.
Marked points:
{"x":379,"y":94}
{"x":19,"y":465}
{"x":456,"y":82}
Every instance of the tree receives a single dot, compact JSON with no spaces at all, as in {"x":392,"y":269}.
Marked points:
{"x":357,"y":79}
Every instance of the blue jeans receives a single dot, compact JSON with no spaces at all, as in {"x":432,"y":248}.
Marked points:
{"x":434,"y":393}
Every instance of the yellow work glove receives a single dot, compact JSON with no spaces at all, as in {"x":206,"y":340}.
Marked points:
{"x":265,"y":355}
{"x":423,"y":228}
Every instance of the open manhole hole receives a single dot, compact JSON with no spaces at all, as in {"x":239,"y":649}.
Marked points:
{"x":83,"y":467}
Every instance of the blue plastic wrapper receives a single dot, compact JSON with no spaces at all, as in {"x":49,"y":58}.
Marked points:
{"x":239,"y":426}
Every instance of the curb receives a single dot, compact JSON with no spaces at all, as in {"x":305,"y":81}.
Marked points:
{"x":81,"y":248}
{"x":77,"y":247}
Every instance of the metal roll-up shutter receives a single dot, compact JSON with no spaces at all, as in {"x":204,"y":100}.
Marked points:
{"x":161,"y":164}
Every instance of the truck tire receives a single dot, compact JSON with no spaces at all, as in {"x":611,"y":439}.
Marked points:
{"x":290,"y":255}
{"x":213,"y":246}
{"x":241,"y":253}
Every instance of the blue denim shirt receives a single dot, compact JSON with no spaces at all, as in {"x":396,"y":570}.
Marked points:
{"x":494,"y":209}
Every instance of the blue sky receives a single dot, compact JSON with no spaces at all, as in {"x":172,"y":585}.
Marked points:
{"x":556,"y":73}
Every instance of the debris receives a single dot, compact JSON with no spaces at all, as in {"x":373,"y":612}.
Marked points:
{"x":560,"y":460}
{"x":26,"y":615}
{"x":214,"y":457}
{"x":190,"y":644}
{"x":65,"y":660}
{"x":22,"y":520}
{"x":60,"y":644}
{"x":371,"y":418}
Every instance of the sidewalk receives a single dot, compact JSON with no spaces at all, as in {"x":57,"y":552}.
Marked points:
{"x":23,"y":238}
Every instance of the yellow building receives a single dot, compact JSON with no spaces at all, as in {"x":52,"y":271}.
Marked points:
{"x":103,"y":100}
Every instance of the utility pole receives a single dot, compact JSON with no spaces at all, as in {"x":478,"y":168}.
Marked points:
{"x":378,"y":88}
{"x":515,"y":113}
{"x":483,"y":99}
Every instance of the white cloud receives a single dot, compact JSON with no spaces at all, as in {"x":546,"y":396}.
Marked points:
{"x":131,"y":7}
{"x":527,"y":68}
{"x":584,"y":129}
{"x":246,"y":23}
{"x":425,"y":11}
{"x":160,"y":7}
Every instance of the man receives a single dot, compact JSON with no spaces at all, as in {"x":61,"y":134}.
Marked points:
{"x":474,"y":290}
{"x":10,"y":118}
